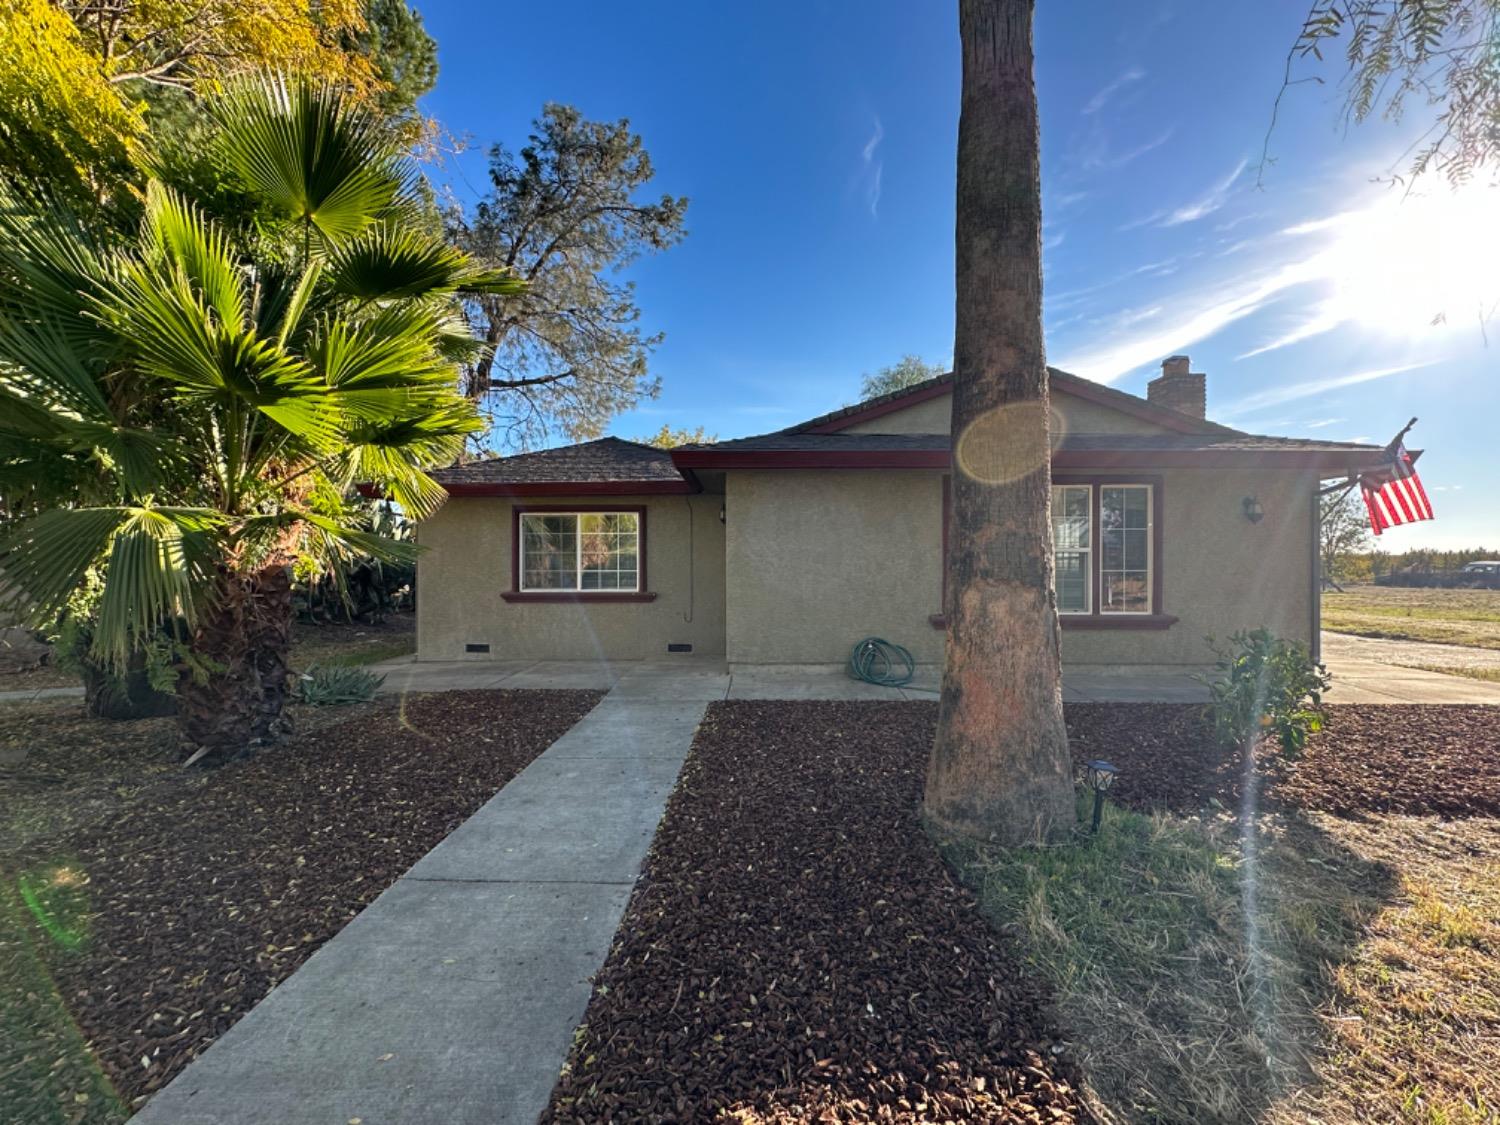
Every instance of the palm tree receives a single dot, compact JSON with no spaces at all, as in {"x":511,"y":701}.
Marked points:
{"x":189,"y":411}
{"x":1000,"y":767}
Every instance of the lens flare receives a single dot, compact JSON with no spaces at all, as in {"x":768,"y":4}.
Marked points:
{"x":1008,"y":443}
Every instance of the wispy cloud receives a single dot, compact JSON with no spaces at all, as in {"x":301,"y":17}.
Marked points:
{"x":1195,"y":321}
{"x":1209,"y":202}
{"x":1324,"y":319}
{"x":1206,"y":204}
{"x":873,"y":167}
{"x":1104,"y":96}
{"x":1099,"y":158}
{"x":1321,"y":422}
{"x":1311,"y":387}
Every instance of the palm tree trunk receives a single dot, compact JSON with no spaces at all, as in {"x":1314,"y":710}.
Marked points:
{"x":1000,"y":768}
{"x":246,"y":637}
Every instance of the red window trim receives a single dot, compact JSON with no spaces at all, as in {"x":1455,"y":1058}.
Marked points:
{"x":516,"y":594}
{"x":1158,"y":618}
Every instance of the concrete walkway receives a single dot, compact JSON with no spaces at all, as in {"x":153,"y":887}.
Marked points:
{"x":452,"y":999}
{"x":1355,"y":680}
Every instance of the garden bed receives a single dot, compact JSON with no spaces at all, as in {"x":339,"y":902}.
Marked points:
{"x":164,"y":920}
{"x":797,"y":949}
{"x":1374,"y":758}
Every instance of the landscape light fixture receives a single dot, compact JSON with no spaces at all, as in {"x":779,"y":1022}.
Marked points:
{"x":1252,"y":509}
{"x":1100,"y":776}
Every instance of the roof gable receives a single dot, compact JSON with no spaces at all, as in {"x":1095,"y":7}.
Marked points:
{"x":1061,"y":383}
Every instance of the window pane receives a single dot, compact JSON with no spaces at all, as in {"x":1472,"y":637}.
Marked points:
{"x":1124,"y":592}
{"x":1125,"y":548}
{"x":1070,"y":516}
{"x":1072,"y":581}
{"x":609,"y":542}
{"x":549,"y":552}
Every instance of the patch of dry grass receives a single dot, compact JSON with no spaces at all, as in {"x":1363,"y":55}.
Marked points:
{"x":1412,"y":1032}
{"x":353,"y":645}
{"x":1488,"y":675}
{"x":1319,"y":969}
{"x":1455,"y":617}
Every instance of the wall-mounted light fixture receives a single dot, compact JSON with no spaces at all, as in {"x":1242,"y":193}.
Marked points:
{"x":721,"y":513}
{"x":1252,"y":509}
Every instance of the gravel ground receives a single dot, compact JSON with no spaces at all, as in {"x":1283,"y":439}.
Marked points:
{"x":207,"y":889}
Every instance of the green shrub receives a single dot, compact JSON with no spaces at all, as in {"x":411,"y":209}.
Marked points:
{"x":334,"y":686}
{"x":1266,"y":684}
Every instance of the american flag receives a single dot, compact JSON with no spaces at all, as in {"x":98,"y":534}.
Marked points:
{"x":1397,"y":496}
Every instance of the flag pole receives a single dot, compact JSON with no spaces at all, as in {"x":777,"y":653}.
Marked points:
{"x":1395,"y":442}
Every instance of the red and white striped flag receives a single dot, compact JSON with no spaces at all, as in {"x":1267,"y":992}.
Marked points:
{"x":1399,"y":498}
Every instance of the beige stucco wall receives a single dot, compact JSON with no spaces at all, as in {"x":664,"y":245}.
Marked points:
{"x":1222,"y":573}
{"x":935,"y":416}
{"x":466,"y":566}
{"x":931,"y":417}
{"x":817,"y":560}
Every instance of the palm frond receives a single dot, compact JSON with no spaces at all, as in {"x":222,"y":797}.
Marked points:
{"x":47,"y":555}
{"x":155,"y":559}
{"x":388,"y":261}
{"x":314,"y":154}
{"x":177,"y":232}
{"x":159,"y":558}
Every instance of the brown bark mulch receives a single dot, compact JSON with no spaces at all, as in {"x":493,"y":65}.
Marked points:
{"x":1414,"y":759}
{"x":211,"y":888}
{"x":797,"y":949}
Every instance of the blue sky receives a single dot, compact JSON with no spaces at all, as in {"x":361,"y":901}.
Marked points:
{"x":816,"y":142}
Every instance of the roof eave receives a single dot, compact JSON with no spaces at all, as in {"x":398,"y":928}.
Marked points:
{"x":1331,"y":461}
{"x":570,"y":488}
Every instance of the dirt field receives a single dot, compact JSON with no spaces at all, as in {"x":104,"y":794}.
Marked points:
{"x":1453,"y":617}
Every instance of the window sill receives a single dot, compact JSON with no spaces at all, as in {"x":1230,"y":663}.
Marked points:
{"x":576,"y":596}
{"x":1094,"y":621}
{"x":1116,"y":620}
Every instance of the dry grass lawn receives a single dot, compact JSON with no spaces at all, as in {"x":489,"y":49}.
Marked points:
{"x":1319,"y":969}
{"x":1454,"y":617}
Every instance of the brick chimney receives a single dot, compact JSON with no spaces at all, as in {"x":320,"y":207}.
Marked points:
{"x":1178,"y":389}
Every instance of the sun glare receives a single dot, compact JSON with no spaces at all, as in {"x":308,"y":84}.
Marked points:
{"x":1408,"y":263}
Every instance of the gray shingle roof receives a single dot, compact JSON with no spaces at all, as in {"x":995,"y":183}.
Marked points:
{"x":607,"y":460}
{"x":1073,"y":442}
{"x":1063,"y":380}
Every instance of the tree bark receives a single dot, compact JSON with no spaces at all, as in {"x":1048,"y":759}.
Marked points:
{"x":246,"y":633}
{"x":1000,"y":768}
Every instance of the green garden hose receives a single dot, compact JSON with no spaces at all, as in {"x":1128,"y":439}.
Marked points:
{"x":880,"y":662}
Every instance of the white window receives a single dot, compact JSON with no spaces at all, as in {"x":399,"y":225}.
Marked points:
{"x":1103,"y":545}
{"x":1072,"y":544}
{"x":1125,"y":548}
{"x":580,"y":551}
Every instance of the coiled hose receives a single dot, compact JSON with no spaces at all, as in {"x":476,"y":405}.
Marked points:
{"x":877,"y":661}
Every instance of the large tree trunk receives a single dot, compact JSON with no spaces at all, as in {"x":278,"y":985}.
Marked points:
{"x":246,"y":633}
{"x":1000,"y":767}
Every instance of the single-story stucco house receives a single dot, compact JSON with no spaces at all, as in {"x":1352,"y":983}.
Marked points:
{"x":789,"y":547}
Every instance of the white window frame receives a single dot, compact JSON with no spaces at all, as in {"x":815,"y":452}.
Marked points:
{"x":578,"y":587}
{"x":1150,"y":530}
{"x":1086,"y":552}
